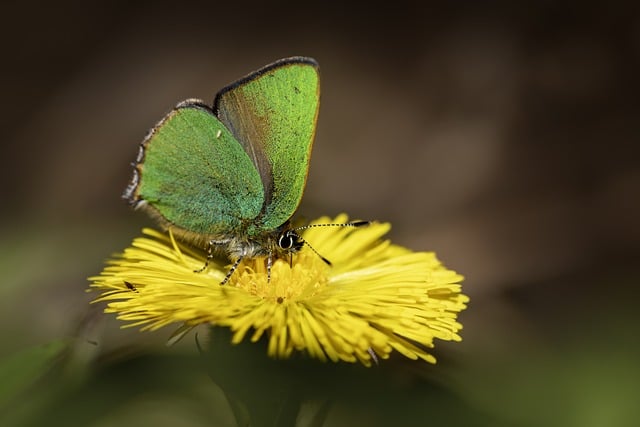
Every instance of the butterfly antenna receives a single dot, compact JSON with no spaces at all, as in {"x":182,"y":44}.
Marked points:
{"x":348,"y":224}
{"x":326,"y":261}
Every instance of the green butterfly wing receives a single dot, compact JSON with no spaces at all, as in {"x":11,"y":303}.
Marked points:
{"x":193,"y":175}
{"x":272,"y":113}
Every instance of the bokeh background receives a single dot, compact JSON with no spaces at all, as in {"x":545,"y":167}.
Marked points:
{"x":502,"y":135}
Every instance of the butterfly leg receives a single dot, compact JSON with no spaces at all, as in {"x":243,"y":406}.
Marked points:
{"x":210,"y":246}
{"x":209,"y":257}
{"x":231,"y":270}
{"x":269,"y":265}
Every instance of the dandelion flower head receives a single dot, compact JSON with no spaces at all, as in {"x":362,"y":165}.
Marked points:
{"x":375,"y":297}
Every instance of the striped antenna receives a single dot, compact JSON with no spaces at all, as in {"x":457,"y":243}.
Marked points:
{"x":347,"y":224}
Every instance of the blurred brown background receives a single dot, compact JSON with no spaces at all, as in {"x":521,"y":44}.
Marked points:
{"x":502,"y":136}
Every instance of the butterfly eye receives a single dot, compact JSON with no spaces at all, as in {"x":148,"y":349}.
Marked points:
{"x":290,"y":240}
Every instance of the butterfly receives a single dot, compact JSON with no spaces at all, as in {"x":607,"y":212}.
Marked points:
{"x":231,"y":176}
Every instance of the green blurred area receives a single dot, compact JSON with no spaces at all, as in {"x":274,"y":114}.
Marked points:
{"x":502,"y":136}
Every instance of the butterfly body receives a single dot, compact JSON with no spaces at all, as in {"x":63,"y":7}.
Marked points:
{"x":232,"y":175}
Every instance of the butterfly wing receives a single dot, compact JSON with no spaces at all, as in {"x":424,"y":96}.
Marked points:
{"x":193,"y":175}
{"x":272,"y":113}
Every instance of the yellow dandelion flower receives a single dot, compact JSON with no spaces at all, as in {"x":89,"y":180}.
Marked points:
{"x":375,"y":298}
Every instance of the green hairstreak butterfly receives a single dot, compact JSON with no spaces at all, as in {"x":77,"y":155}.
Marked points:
{"x":232,"y":175}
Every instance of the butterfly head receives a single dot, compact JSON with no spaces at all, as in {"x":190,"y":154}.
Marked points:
{"x":290,"y":241}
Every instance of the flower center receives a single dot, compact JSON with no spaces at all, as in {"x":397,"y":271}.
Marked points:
{"x":304,"y":278}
